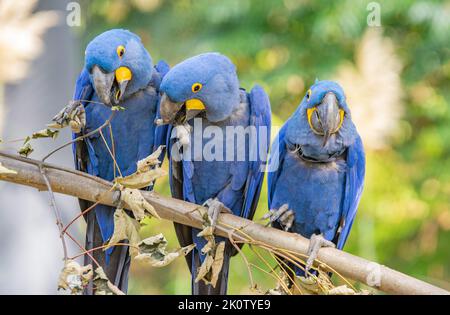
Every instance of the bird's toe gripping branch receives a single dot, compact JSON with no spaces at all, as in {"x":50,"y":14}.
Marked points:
{"x":316,"y":242}
{"x":72,"y":115}
{"x":283,"y":215}
{"x":215,"y":207}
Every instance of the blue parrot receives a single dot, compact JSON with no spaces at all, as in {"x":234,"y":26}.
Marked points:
{"x":118,"y":71}
{"x":203,"y":92}
{"x":316,"y":170}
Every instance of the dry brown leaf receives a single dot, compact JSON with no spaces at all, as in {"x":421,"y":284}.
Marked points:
{"x":125,"y":228}
{"x":207,"y":231}
{"x":74,"y":277}
{"x":4,"y":170}
{"x":137,"y":203}
{"x":103,"y":286}
{"x":212,"y":265}
{"x":154,"y":252}
{"x":26,"y":149}
{"x":140,"y":180}
{"x":341,"y":290}
{"x":218,"y":263}
{"x":204,"y":269}
{"x":45,"y":133}
{"x":208,"y":247}
{"x":150,"y":161}
{"x":310,"y":284}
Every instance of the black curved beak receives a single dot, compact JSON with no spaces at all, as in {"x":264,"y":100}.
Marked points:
{"x":329,"y":116}
{"x":171,"y":111}
{"x":106,"y":86}
{"x":176,"y":113}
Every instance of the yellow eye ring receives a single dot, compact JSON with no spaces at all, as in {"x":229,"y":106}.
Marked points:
{"x":120,"y":51}
{"x":308,"y":94}
{"x":196,"y":87}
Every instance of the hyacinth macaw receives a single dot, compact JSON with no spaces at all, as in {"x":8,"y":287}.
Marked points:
{"x":118,"y":71}
{"x":207,"y":87}
{"x":317,"y":169}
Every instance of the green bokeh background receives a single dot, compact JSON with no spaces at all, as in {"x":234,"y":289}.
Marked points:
{"x":404,"y":216}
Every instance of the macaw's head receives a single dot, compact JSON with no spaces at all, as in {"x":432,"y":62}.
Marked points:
{"x":323,"y":114}
{"x":118,"y":65}
{"x":206,"y":83}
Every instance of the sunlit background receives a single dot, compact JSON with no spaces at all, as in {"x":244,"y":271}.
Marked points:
{"x":396,"y":77}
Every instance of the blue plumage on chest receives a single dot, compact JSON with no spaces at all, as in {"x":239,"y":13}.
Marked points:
{"x":216,"y":155}
{"x":314,"y":191}
{"x":132,"y":130}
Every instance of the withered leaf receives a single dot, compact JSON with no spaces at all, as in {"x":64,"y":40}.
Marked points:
{"x":208,"y":246}
{"x":103,"y":286}
{"x":26,"y":150}
{"x":341,"y":290}
{"x":218,"y":263}
{"x":45,"y":133}
{"x":137,"y":203}
{"x":125,"y":228}
{"x":74,"y":277}
{"x":117,"y":108}
{"x":212,"y":265}
{"x":204,"y":269}
{"x":147,"y":163}
{"x":153,"y":251}
{"x":207,"y":231}
{"x":309,"y":284}
{"x":4,"y":170}
{"x":140,"y":180}
{"x":282,"y":285}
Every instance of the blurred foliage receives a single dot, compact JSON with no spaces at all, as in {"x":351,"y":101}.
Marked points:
{"x":404,"y":217}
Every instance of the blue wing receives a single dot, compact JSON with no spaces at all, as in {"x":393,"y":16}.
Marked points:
{"x":277,"y":154}
{"x":260,"y":117}
{"x":354,"y":182}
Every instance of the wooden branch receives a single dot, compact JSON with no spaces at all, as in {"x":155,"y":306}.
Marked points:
{"x":82,"y":185}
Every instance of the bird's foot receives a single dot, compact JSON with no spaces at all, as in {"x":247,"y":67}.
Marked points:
{"x":283,"y":215}
{"x":72,"y":115}
{"x":316,"y":242}
{"x":215,"y":207}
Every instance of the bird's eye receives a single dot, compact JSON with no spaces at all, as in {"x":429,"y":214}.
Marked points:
{"x":196,"y":87}
{"x":120,"y":51}
{"x":308,"y":94}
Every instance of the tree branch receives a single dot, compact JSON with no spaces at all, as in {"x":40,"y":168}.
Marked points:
{"x":82,"y":185}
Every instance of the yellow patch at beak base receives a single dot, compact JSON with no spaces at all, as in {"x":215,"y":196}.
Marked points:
{"x":309,"y":113}
{"x":194,"y":104}
{"x":123,"y":74}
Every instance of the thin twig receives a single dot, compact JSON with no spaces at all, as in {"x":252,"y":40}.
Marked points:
{"x":83,"y":249}
{"x":103,"y":247}
{"x":111,"y":154}
{"x":55,"y":210}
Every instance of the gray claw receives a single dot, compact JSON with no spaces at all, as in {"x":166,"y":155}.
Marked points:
{"x":215,"y":207}
{"x":316,"y":242}
{"x":284,"y":215}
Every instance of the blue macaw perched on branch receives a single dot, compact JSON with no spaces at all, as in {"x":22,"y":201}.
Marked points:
{"x":118,"y":71}
{"x":207,"y":87}
{"x":316,"y":170}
